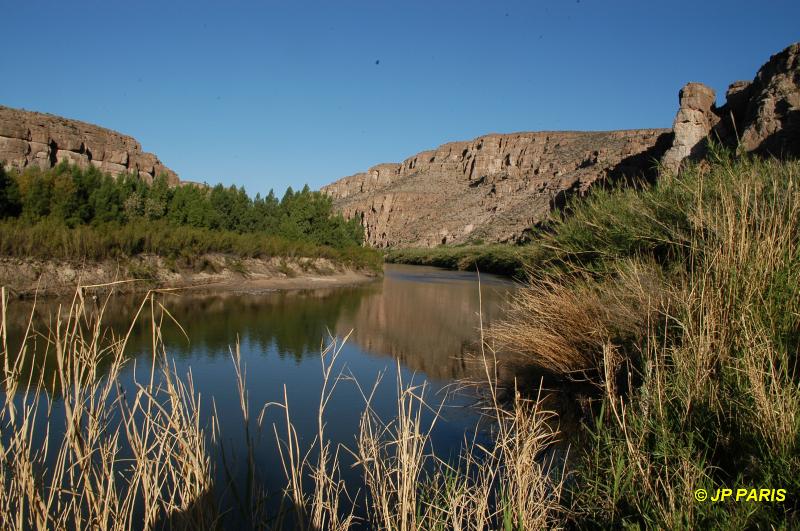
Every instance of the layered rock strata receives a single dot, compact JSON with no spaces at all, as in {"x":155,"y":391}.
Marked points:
{"x":491,"y":189}
{"x":43,"y":140}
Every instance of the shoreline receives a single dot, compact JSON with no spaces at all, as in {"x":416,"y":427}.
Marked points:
{"x":25,"y":278}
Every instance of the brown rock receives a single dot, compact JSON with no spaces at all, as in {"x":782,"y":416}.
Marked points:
{"x":36,"y":139}
{"x":14,"y":150}
{"x":493,"y":188}
{"x":693,"y":123}
{"x":771,"y":123}
{"x":72,"y":157}
{"x":761,"y":116}
{"x":38,"y":151}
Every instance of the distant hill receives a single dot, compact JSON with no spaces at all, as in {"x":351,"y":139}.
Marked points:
{"x":492,"y":188}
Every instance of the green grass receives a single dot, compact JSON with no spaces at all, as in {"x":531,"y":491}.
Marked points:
{"x":501,"y":259}
{"x":52,"y":240}
{"x":681,"y":301}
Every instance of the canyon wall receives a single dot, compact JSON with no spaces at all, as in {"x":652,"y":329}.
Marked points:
{"x":761,"y":116}
{"x":491,"y":189}
{"x":36,"y":139}
{"x":496,"y":187}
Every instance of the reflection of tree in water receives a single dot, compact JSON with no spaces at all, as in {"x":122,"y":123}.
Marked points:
{"x":427,"y":320}
{"x":294,"y":323}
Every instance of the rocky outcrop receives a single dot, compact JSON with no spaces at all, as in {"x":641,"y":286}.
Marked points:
{"x":43,"y":140}
{"x":492,"y":189}
{"x":770,"y":121}
{"x":760,"y":116}
{"x":694,"y":121}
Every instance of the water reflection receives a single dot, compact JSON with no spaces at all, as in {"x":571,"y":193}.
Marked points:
{"x":426,"y":318}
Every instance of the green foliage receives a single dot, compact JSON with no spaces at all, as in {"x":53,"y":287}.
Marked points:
{"x":10,"y":204}
{"x":712,"y":398}
{"x":501,"y":259}
{"x":52,"y":239}
{"x":109,"y":216}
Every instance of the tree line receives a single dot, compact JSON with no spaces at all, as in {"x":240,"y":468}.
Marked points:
{"x":72,"y":196}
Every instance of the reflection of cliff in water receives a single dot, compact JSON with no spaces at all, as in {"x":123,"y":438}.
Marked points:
{"x":292,"y":323}
{"x":426,"y":318}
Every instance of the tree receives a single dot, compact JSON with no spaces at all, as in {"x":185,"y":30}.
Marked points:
{"x":10,"y":201}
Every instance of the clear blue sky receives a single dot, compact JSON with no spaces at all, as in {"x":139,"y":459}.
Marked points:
{"x":269,"y":94}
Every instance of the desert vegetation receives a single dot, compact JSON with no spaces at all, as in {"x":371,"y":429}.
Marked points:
{"x":681,"y":302}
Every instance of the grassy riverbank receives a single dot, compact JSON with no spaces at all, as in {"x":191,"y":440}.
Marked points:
{"x":68,"y":218}
{"x":500,"y":259}
{"x":682,"y":302}
{"x":71,"y":212}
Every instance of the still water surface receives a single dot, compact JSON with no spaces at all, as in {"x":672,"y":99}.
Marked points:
{"x":423,"y":320}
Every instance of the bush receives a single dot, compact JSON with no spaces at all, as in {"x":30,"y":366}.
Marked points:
{"x":682,"y":302}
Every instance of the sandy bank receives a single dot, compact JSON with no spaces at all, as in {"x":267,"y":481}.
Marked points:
{"x":213,"y":272}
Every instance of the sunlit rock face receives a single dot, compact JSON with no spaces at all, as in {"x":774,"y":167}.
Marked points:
{"x":43,"y":140}
{"x":493,"y":188}
{"x":694,"y":121}
{"x":496,"y":187}
{"x":760,"y":116}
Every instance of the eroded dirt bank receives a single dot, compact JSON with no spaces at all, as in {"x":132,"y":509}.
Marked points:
{"x":213,"y":272}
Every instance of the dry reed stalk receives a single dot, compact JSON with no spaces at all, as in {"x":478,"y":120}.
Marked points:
{"x":81,"y":477}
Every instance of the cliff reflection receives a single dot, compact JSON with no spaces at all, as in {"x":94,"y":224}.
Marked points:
{"x":426,"y":318}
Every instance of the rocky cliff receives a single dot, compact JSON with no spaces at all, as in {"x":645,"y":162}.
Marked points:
{"x":494,"y":188}
{"x":760,"y":116}
{"x":36,"y":139}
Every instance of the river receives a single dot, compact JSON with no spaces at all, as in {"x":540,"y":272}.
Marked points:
{"x":424,"y":322}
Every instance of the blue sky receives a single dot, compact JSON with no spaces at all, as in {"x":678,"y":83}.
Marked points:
{"x":271,"y":94}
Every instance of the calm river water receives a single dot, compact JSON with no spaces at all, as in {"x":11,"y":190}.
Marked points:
{"x":424,"y":319}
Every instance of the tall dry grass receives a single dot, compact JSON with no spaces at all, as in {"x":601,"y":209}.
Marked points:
{"x":683,"y":302}
{"x":98,"y":457}
{"x":91,"y":451}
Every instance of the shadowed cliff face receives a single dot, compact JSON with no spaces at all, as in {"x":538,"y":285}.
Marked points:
{"x":493,"y":188}
{"x":43,"y":140}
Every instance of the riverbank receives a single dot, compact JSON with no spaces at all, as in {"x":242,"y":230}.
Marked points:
{"x":497,"y":258}
{"x":26,"y":277}
{"x":679,"y":301}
